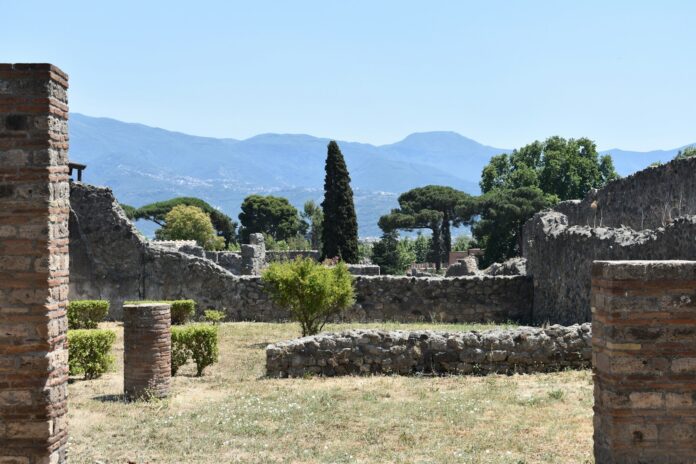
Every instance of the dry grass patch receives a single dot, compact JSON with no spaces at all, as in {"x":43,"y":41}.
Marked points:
{"x":233,"y":414}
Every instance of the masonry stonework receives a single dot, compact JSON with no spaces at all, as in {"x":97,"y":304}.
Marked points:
{"x":364,"y":352}
{"x":146,"y":350}
{"x":34,"y":205}
{"x":644,"y":358}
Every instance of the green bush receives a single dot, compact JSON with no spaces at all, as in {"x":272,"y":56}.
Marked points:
{"x":86,"y":314}
{"x":89,"y":352}
{"x":181,"y":310}
{"x":214,"y":316}
{"x":312,"y":292}
{"x":180,"y":351}
{"x":198,"y":342}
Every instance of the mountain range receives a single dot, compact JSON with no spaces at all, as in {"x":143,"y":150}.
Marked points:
{"x":143,"y":164}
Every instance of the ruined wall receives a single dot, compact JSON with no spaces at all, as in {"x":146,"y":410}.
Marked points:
{"x":111,"y":261}
{"x":644,"y":358}
{"x":364,"y":352}
{"x":560,"y":247}
{"x":33,"y":264}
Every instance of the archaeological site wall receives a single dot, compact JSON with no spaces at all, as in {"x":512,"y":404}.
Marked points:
{"x":364,"y":352}
{"x":645,"y":216}
{"x":111,"y":260}
{"x":34,"y":204}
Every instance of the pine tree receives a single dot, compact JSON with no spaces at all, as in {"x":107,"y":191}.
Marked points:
{"x":340,"y":231}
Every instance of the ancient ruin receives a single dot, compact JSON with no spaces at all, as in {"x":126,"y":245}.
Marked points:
{"x":34,"y":205}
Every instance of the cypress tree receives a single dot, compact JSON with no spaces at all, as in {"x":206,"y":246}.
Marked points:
{"x":340,"y":231}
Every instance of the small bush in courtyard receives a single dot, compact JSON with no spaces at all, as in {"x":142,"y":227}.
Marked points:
{"x":198,"y":342}
{"x":86,"y":314}
{"x":312,"y":292}
{"x":182,"y":310}
{"x":89,"y":352}
{"x":180,"y":351}
{"x":213,"y":316}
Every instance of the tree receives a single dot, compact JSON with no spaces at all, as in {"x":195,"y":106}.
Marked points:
{"x":224,"y":226}
{"x":270,"y":215}
{"x":314,"y":218}
{"x":393,"y":256}
{"x":190,"y":223}
{"x":536,"y":176}
{"x":462,"y":243}
{"x":686,"y":152}
{"x":421,"y":247}
{"x":433,"y":207}
{"x":312,"y":292}
{"x":340,"y":227}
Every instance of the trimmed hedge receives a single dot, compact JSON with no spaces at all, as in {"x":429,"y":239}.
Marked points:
{"x":213,"y":316}
{"x":198,"y":342}
{"x":181,"y":310}
{"x":89,"y":352}
{"x":86,"y":314}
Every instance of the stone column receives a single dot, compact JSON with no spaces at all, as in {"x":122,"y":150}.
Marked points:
{"x":644,"y":357}
{"x":34,"y":206}
{"x":254,"y":255}
{"x":147,"y":350}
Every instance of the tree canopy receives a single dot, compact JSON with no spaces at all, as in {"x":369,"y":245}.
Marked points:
{"x":156,"y":212}
{"x":184,"y":222}
{"x":270,"y":215}
{"x":687,"y":152}
{"x":340,"y":225}
{"x":536,"y":176}
{"x":314,"y":219}
{"x":433,"y":207}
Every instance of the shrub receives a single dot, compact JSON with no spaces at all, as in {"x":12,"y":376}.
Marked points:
{"x":89,"y":352}
{"x":312,"y":292}
{"x":86,"y":314}
{"x":202,"y":341}
{"x":182,"y":310}
{"x":198,"y":342}
{"x":180,"y":351}
{"x":214,"y":316}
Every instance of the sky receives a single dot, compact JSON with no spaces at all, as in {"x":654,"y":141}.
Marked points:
{"x":501,"y":72}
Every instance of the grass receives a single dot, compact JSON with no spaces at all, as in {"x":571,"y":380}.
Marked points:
{"x":233,"y":414}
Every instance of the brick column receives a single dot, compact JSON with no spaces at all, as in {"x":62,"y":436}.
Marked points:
{"x":34,"y":206}
{"x":147,"y":341}
{"x":644,"y":356}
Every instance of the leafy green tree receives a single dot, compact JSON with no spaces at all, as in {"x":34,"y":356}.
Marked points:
{"x":538,"y":175}
{"x":433,"y":207}
{"x":270,"y":215}
{"x":421,"y":247}
{"x":224,"y":226}
{"x":314,"y":218}
{"x":462,"y":243}
{"x":567,"y":169}
{"x":503,"y":214}
{"x":393,"y":256}
{"x":340,"y":226}
{"x":312,"y":292}
{"x":190,"y":223}
{"x":687,"y":152}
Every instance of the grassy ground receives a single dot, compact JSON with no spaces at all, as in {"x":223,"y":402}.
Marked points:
{"x":233,"y":414}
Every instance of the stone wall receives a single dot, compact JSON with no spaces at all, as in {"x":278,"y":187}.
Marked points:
{"x":644,"y":357}
{"x":110,"y":260}
{"x":560,"y":247}
{"x":363,"y":352}
{"x":34,"y":205}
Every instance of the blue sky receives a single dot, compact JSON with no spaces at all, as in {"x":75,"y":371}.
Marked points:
{"x":501,"y":72}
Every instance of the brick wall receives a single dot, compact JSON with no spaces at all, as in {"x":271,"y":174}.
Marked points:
{"x":34,"y":205}
{"x":644,"y":357}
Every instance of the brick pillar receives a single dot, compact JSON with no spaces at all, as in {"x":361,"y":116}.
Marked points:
{"x":147,"y":341}
{"x":34,"y":206}
{"x":644,"y":356}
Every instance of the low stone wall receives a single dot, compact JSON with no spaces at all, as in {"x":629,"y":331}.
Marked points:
{"x":364,"y":269}
{"x":290,"y":255}
{"x":362,"y":352}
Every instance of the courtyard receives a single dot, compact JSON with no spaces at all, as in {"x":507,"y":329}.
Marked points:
{"x":234,"y":414}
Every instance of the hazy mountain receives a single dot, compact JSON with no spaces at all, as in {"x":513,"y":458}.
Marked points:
{"x":143,"y":164}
